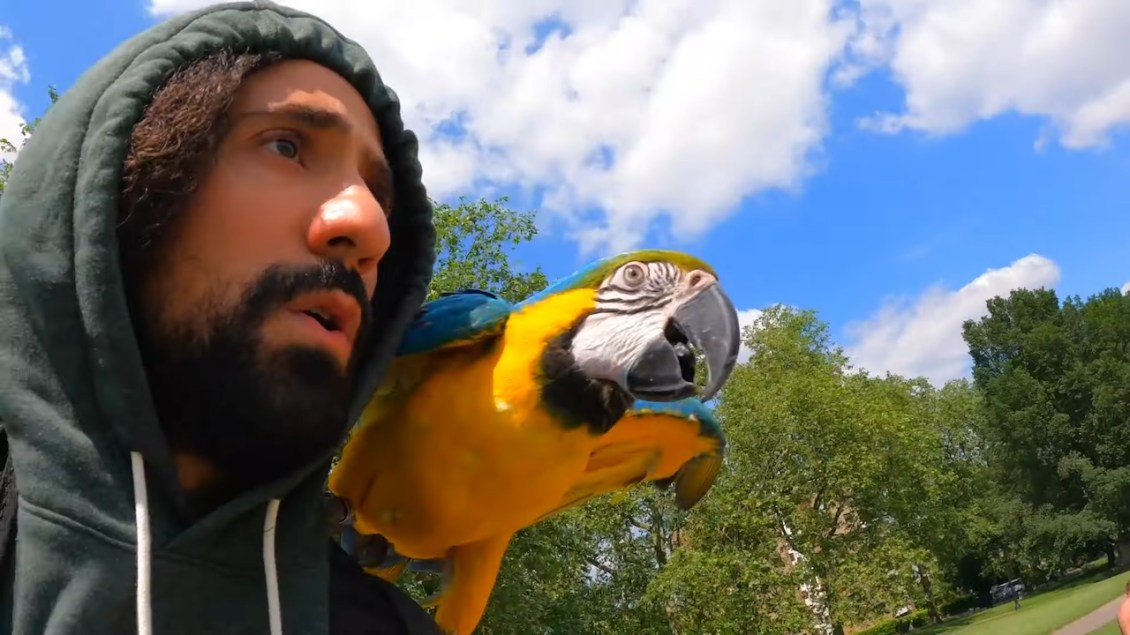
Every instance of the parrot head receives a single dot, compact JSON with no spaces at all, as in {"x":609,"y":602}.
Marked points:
{"x":652,"y":311}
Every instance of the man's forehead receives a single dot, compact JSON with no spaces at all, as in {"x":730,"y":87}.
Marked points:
{"x":302,"y":86}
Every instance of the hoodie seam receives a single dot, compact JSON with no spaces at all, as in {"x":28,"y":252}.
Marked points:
{"x":289,"y":566}
{"x":62,"y":520}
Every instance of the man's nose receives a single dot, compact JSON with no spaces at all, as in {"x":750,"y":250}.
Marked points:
{"x":351,"y":227}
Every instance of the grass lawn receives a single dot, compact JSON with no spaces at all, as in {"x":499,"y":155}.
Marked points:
{"x":1040,"y":614}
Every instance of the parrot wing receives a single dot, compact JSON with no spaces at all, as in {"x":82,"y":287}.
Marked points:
{"x":451,"y":323}
{"x":694,"y":477}
{"x":679,"y":442}
{"x":454,"y":324}
{"x":455,"y":319}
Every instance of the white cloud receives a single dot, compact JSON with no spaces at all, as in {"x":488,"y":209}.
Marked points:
{"x":643,"y":109}
{"x":1126,"y":288}
{"x":746,"y":318}
{"x":13,"y":70}
{"x":922,"y":336}
{"x":636,"y":111}
{"x":964,"y":60}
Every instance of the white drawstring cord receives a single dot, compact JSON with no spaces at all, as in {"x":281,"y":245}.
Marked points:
{"x":141,"y":517}
{"x":274,"y":607}
{"x":144,"y":546}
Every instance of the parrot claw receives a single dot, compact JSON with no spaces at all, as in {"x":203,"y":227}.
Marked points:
{"x":432,"y":601}
{"x":370,"y":551}
{"x":337,"y":511}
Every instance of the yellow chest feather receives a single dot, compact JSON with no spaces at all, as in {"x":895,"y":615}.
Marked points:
{"x":471,"y":452}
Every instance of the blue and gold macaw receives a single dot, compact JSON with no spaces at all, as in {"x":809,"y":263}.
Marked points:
{"x":493,"y":413}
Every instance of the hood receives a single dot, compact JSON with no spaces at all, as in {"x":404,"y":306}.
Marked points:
{"x":96,"y":477}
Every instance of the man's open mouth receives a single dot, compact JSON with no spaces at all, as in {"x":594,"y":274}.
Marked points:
{"x":336,"y":312}
{"x":327,"y":321}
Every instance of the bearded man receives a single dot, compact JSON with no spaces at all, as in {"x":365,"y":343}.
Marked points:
{"x":209,"y":251}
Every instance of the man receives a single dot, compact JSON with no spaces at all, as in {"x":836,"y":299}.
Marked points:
{"x":208,"y":253}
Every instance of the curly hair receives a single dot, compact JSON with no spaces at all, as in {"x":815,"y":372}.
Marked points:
{"x":173,"y":146}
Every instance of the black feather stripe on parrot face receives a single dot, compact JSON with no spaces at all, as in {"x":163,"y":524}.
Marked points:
{"x":649,"y":319}
{"x":573,"y":396}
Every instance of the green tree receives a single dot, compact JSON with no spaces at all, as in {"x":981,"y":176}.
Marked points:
{"x":824,"y":479}
{"x":942,"y":518}
{"x":474,"y":244}
{"x":1055,"y":378}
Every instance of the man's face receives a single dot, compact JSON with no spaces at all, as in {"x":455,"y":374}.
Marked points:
{"x":253,"y":316}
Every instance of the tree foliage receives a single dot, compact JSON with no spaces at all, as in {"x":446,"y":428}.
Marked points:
{"x":1056,"y":383}
{"x":473,"y":245}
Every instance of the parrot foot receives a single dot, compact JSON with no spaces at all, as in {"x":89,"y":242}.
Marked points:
{"x":433,"y":600}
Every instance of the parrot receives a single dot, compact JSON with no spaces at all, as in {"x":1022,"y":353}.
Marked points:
{"x":493,"y":415}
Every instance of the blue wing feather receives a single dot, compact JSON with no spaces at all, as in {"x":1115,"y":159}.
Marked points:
{"x":455,"y":318}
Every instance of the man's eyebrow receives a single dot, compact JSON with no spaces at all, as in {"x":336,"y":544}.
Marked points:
{"x":378,"y":172}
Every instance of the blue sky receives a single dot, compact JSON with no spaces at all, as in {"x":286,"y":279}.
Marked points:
{"x":868,"y":161}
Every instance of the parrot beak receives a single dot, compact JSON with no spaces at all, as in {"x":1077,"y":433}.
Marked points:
{"x":706,"y":321}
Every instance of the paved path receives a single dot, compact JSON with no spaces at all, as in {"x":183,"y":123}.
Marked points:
{"x":1094,"y":620}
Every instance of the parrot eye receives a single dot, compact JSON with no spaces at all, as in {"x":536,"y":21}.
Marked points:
{"x":633,"y":274}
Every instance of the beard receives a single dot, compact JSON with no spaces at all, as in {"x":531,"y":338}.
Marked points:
{"x":255,"y":413}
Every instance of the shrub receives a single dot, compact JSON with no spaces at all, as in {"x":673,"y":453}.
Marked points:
{"x":900,"y":625}
{"x":960,"y":605}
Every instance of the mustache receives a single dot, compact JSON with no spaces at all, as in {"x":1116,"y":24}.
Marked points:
{"x":281,"y":284}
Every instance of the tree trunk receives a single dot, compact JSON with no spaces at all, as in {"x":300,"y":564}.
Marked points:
{"x":1111,"y":553}
{"x":1124,"y":549}
{"x":658,"y":537}
{"x":928,"y":587}
{"x":813,"y":591}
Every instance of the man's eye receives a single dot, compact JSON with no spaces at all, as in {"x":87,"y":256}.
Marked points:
{"x":286,"y":147}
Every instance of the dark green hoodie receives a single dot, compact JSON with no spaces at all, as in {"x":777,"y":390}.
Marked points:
{"x":97,"y":512}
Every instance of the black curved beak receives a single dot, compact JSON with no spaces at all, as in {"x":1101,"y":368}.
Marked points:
{"x":708,"y":322}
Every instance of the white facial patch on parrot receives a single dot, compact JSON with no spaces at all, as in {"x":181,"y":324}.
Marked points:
{"x":633,"y":306}
{"x":608,"y":343}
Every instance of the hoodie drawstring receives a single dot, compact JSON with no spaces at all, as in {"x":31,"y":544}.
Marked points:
{"x":144,"y":547}
{"x":274,"y":609}
{"x":141,"y":517}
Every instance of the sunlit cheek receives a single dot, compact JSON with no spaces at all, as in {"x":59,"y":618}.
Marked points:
{"x":265,"y":224}
{"x":272,"y":179}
